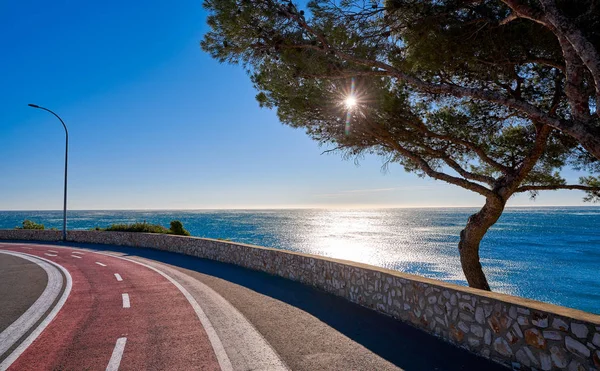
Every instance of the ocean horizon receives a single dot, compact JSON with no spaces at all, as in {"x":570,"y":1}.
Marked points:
{"x":545,"y":253}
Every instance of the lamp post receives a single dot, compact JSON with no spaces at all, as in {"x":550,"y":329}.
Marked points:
{"x":64,"y":230}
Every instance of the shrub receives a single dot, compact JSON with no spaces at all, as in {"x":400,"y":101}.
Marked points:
{"x":137,"y":227}
{"x":28,"y":224}
{"x":177,"y":228}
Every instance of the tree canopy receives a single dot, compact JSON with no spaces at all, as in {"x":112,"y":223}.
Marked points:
{"x":480,"y":94}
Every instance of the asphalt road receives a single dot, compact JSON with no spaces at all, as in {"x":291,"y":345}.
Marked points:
{"x":22,"y":282}
{"x":141,"y":321}
{"x":187,"y":313}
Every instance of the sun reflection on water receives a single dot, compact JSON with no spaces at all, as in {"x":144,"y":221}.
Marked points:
{"x":373,"y":238}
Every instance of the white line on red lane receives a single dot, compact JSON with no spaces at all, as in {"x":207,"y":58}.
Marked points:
{"x":118,"y":277}
{"x":75,"y":256}
{"x":213,"y":337}
{"x":18,"y":328}
{"x":33,"y":335}
{"x":49,"y":254}
{"x":117,"y":354}
{"x":126,"y":303}
{"x":77,"y":252}
{"x":100,"y":264}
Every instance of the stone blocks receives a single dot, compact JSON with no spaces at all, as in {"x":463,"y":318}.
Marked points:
{"x":519,"y":333}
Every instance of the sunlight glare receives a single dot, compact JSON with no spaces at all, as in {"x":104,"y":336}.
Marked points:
{"x":350,"y":102}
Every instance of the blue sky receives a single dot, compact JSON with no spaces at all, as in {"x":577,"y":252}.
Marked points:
{"x":155,"y":123}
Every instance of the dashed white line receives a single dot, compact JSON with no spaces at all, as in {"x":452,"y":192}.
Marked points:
{"x":75,"y":256}
{"x":126,"y":303}
{"x":49,"y":254}
{"x":100,"y":264}
{"x":213,"y":337}
{"x":117,"y":354}
{"x":118,"y":277}
{"x":77,"y":252}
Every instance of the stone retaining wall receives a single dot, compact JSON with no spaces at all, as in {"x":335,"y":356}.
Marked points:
{"x":520,"y":333}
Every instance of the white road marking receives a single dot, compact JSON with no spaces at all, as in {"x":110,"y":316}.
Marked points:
{"x":35,"y":333}
{"x":126,"y":301}
{"x":213,"y":337}
{"x":253,"y":351}
{"x":25,"y":247}
{"x":117,"y":354}
{"x":49,"y":254}
{"x":18,"y":328}
{"x":75,"y":256}
{"x":56,"y":252}
{"x":77,"y":252}
{"x":118,"y":277}
{"x":100,"y":264}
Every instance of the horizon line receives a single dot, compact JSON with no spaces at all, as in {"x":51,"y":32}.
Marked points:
{"x":358,"y":207}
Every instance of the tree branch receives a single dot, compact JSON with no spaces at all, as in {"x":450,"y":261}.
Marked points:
{"x":467,"y":174}
{"x":562,"y":27}
{"x":584,"y":48}
{"x":391,"y":144}
{"x":556,"y":187}
{"x":464,"y":143}
{"x":578,"y":101}
{"x":427,"y":169}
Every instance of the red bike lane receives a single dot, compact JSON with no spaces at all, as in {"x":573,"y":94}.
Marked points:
{"x":161,"y":328}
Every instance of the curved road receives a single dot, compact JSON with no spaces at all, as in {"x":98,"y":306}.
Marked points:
{"x":97,"y":307}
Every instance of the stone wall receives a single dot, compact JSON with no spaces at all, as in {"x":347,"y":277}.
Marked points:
{"x":520,"y":333}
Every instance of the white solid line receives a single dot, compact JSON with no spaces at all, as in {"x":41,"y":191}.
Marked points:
{"x":125,"y":300}
{"x":49,"y":254}
{"x":56,"y":252}
{"x":117,"y":354}
{"x":235,"y":331}
{"x":31,"y":338}
{"x":19,"y":327}
{"x":75,"y":256}
{"x":118,"y":277}
{"x":213,"y":337}
{"x":103,"y":265}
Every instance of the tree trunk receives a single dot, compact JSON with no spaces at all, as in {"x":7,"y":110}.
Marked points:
{"x":470,"y":238}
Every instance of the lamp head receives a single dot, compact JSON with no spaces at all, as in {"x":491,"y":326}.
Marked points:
{"x":33,"y":105}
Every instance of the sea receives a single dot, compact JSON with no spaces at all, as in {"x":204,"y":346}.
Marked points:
{"x":550,"y":254}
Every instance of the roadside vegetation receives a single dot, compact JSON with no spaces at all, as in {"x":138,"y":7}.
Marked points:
{"x":176,"y":227}
{"x":28,"y":224}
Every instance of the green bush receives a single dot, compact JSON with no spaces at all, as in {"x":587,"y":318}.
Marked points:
{"x":137,"y":227}
{"x":28,"y":224}
{"x":176,"y":228}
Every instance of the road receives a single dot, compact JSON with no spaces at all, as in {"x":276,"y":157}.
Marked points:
{"x":96,"y":307}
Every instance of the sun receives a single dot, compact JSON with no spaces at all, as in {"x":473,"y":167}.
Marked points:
{"x":350,"y":102}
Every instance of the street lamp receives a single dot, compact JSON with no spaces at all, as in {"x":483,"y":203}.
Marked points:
{"x":64,"y":230}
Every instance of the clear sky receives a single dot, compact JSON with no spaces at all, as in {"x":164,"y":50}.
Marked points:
{"x":155,"y":123}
